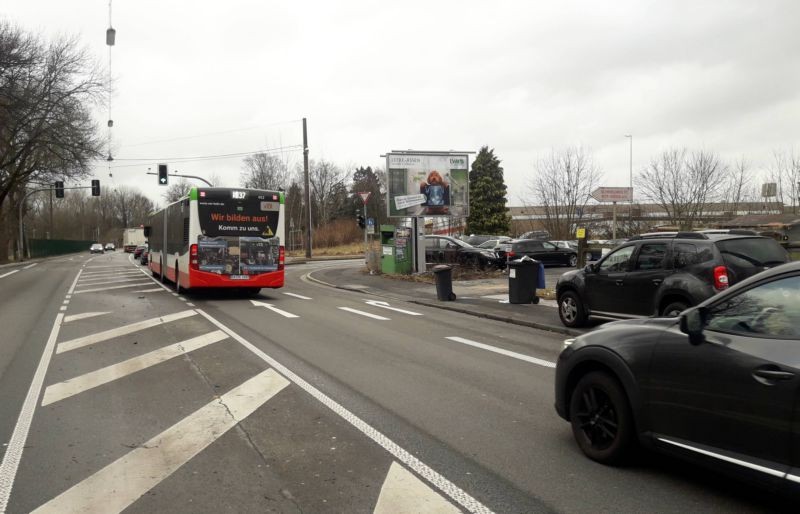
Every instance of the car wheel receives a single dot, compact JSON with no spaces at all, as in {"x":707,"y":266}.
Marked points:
{"x":601,"y":418}
{"x":673,"y":309}
{"x":570,"y":310}
{"x":573,"y":260}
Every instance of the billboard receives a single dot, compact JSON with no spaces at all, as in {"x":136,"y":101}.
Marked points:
{"x":427,"y":184}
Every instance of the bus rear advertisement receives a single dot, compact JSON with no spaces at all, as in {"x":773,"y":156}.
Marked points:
{"x":220,"y":237}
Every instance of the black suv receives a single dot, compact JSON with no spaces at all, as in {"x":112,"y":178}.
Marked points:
{"x":717,"y":386}
{"x":446,"y":249}
{"x":662,"y":275}
{"x":545,"y":252}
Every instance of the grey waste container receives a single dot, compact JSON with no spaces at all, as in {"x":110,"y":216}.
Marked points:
{"x":523,"y":277}
{"x":444,"y":283}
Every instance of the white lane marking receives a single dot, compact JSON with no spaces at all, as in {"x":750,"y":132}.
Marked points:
{"x":76,"y":317}
{"x":367,"y":314}
{"x":404,"y":493}
{"x":117,"y":266}
{"x":73,"y":386}
{"x":448,"y":488}
{"x":62,"y":308}
{"x":99,"y":337}
{"x":118,"y":485}
{"x":106,"y":288}
{"x":190,"y":304}
{"x":29,"y":266}
{"x":274,"y":309}
{"x":297,"y":296}
{"x":385,"y":305}
{"x":74,"y":283}
{"x":154,"y":290}
{"x":9,"y":273}
{"x":507,"y":353}
{"x":181,"y":298}
{"x":100,"y":276}
{"x":99,"y":282}
{"x":68,"y":296}
{"x":65,"y":302}
{"x":10,"y":464}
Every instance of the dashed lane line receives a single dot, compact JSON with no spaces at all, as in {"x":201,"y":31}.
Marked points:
{"x":501,"y":351}
{"x":118,"y":485}
{"x":29,"y":266}
{"x":76,"y":317}
{"x":107,"y":288}
{"x":16,"y":445}
{"x":362,"y":313}
{"x":295,"y":295}
{"x":451,"y":490}
{"x":99,"y":337}
{"x":153,"y":290}
{"x":73,"y":386}
{"x":9,"y":273}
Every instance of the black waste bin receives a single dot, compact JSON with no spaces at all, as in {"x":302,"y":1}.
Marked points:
{"x":444,"y":283}
{"x":523,"y":277}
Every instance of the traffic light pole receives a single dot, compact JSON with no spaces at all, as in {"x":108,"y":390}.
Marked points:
{"x":21,"y":254}
{"x":366,"y":244}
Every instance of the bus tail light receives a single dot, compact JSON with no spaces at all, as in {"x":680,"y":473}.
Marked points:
{"x":720,"y":278}
{"x":281,"y":257}
{"x":193,"y":257}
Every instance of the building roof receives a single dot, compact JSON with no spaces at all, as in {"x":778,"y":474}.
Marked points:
{"x":762,"y":220}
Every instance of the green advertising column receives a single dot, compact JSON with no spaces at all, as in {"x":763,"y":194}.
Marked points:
{"x":387,"y":249}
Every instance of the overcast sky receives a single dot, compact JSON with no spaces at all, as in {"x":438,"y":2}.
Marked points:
{"x":200,"y":78}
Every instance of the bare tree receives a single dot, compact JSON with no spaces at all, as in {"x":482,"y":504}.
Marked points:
{"x":177,"y":190}
{"x":562,"y":184}
{"x":328,"y":189}
{"x":683,"y":183}
{"x":786,"y":173}
{"x":738,"y":185}
{"x":264,"y":171}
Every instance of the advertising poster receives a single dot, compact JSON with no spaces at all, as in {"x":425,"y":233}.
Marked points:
{"x":427,"y":184}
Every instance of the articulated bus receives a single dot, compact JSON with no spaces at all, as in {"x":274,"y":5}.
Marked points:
{"x":219,"y":238}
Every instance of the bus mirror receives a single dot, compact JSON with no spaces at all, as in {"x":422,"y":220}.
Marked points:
{"x":146,"y":231}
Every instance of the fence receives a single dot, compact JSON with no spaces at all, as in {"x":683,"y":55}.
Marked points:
{"x":49,"y":247}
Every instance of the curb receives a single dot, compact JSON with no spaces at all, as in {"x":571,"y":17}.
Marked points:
{"x":323,"y":258}
{"x":494,"y":317}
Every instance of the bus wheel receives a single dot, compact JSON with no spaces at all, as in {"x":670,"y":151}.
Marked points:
{"x":177,"y":279}
{"x":161,"y":274}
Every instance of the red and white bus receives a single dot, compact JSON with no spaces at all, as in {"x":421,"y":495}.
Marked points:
{"x":218,"y":238}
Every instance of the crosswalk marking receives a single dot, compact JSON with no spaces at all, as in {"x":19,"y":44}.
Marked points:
{"x":114,"y":274}
{"x":109,"y":280}
{"x":118,"y":485}
{"x":73,"y":386}
{"x":154,"y":290}
{"x":99,"y":337}
{"x":76,"y":317}
{"x":362,"y":313}
{"x":404,"y":493}
{"x":108,"y":288}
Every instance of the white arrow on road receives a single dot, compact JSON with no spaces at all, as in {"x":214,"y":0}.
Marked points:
{"x":274,"y":309}
{"x":385,"y":305}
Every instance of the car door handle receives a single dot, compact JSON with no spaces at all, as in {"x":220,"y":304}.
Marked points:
{"x":618,"y":282}
{"x":773,"y":374}
{"x":657,"y":281}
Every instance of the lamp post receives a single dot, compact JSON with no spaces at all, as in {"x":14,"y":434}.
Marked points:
{"x":630,"y":181}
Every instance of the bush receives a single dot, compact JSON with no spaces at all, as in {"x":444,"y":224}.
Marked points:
{"x":337,"y":233}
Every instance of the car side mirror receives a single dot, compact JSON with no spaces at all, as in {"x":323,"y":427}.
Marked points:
{"x":589,"y":268}
{"x":692,"y":323}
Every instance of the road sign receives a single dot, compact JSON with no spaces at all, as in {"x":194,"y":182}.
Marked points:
{"x":580,"y":233}
{"x":769,"y":190}
{"x":613,"y":194}
{"x":371,"y":225}
{"x":365,"y":196}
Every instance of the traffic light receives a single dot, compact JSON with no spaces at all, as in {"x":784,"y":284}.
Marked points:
{"x":95,"y":187}
{"x":59,"y":189}
{"x":162,"y":175}
{"x":361,"y":221}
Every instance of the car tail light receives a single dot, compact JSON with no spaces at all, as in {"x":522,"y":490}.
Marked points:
{"x":510,"y":253}
{"x":193,"y":257}
{"x":720,"y":278}
{"x":281,"y":257}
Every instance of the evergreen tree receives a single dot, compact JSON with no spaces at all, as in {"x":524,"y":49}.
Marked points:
{"x":487,"y":196}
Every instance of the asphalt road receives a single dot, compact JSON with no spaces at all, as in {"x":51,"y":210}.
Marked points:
{"x":115,"y":393}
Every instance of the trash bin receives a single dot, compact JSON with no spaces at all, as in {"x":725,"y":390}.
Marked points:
{"x":524,"y":277}
{"x":444,"y":283}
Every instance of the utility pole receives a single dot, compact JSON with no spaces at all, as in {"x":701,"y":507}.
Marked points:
{"x":630,"y":183}
{"x":308,"y":189}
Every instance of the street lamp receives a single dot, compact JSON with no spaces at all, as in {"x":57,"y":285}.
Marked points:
{"x":630,"y":183}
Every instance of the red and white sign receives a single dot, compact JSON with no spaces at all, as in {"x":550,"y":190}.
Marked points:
{"x":365,"y":196}
{"x":613,"y":194}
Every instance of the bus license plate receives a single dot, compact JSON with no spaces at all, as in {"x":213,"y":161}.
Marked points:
{"x":240,"y":277}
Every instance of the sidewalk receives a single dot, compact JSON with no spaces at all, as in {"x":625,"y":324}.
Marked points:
{"x":487,"y":298}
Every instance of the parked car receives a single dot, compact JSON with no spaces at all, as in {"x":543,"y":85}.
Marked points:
{"x":662,"y":275}
{"x":96,"y":248}
{"x":543,"y":251}
{"x":541,"y":235}
{"x":716,"y":386}
{"x":110,"y":247}
{"x":479,"y":239}
{"x":566,"y":245}
{"x":446,"y":249}
{"x":500,"y":247}
{"x":137,"y":252}
{"x":145,"y":257}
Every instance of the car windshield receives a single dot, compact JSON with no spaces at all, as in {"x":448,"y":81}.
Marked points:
{"x":491,"y":243}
